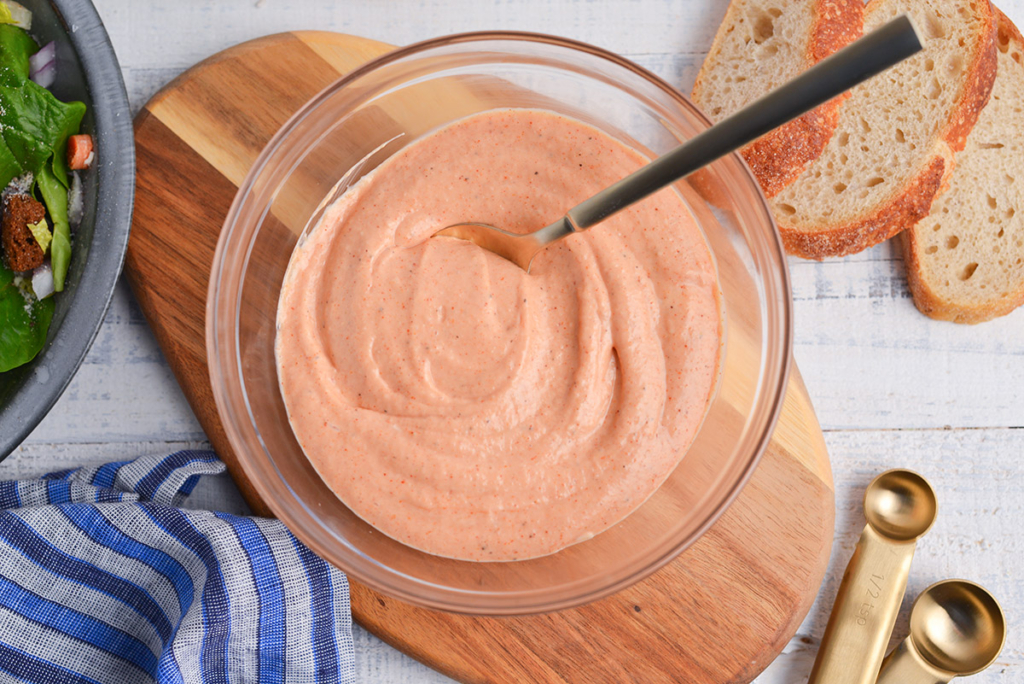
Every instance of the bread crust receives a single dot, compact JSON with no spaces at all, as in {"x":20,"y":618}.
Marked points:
{"x":780,"y":156}
{"x":906,"y":208}
{"x":927,"y":300}
{"x":933,"y":305}
{"x":913,"y":202}
{"x":979,"y":88}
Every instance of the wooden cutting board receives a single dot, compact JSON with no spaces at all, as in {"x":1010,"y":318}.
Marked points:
{"x":719,"y":613}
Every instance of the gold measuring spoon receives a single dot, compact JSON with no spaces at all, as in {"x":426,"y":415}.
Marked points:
{"x":833,"y":76}
{"x":900,"y":507}
{"x":956,"y":628}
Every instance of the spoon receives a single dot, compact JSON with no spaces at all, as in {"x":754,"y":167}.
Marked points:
{"x":831,"y":77}
{"x":956,"y":628}
{"x":900,"y":507}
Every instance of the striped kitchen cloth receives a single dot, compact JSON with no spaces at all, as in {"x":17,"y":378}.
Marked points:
{"x":103,"y":579}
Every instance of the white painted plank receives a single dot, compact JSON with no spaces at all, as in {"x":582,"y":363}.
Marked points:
{"x":376,"y":662}
{"x":143,"y":84}
{"x":871,"y":360}
{"x":153,"y":34}
{"x":124,"y":391}
{"x":32,"y":460}
{"x":150,"y":34}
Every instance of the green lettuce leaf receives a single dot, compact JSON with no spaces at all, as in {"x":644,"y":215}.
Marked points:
{"x":34,"y":131}
{"x":60,"y":148}
{"x":24,"y":322}
{"x":36,"y":126}
{"x":55,"y":196}
{"x":16,"y":46}
{"x":9,"y":166}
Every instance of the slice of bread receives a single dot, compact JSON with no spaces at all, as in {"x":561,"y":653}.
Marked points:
{"x":965,"y":261}
{"x":892,"y":151}
{"x":760,"y":45}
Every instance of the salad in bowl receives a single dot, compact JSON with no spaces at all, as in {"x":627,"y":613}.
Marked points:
{"x":41,"y":154}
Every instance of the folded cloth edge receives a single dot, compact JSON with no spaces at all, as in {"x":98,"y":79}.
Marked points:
{"x":104,"y":579}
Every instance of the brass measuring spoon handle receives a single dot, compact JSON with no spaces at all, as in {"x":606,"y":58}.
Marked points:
{"x":900,"y":507}
{"x":865,"y":610}
{"x":905,"y":665}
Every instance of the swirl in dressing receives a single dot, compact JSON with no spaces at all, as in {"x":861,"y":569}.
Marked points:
{"x":466,"y":408}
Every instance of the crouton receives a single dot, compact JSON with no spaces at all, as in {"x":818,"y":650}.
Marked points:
{"x":21,"y":250}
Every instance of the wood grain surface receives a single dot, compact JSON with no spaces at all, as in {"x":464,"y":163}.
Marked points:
{"x":890,"y":387}
{"x":719,"y":613}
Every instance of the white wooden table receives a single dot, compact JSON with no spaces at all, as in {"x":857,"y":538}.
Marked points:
{"x":891,"y":387}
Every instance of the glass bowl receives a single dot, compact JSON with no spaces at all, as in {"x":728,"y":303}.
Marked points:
{"x":349,"y":129}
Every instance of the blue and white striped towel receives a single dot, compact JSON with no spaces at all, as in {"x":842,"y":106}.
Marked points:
{"x":104,"y":580}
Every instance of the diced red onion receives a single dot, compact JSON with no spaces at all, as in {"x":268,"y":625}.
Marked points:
{"x":76,"y":201}
{"x":45,"y":55}
{"x":42,"y":281}
{"x":46,"y":76}
{"x":43,"y":65}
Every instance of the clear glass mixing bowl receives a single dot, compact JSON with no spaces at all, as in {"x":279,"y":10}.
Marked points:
{"x":349,"y":129}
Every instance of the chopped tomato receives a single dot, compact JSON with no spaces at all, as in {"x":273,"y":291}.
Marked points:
{"x":79,"y":152}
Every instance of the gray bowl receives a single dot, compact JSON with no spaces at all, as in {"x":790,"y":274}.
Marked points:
{"x":87,"y":71}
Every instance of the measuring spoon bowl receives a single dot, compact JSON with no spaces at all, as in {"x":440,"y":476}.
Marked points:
{"x":900,"y":505}
{"x":956,"y":628}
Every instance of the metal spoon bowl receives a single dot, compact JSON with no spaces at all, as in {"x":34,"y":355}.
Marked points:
{"x":956,"y":629}
{"x":830,"y":78}
{"x":900,"y":504}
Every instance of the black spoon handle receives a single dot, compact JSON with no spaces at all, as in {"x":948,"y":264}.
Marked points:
{"x":834,"y":75}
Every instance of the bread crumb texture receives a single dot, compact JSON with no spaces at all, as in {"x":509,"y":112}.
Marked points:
{"x":965,"y":261}
{"x":761,"y":45}
{"x":892,"y":150}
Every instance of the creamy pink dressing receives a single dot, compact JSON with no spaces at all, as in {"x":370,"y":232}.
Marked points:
{"x":466,"y":408}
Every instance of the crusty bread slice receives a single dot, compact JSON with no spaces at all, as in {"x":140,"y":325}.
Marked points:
{"x":760,"y":45}
{"x":892,"y":151}
{"x":965,"y":261}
